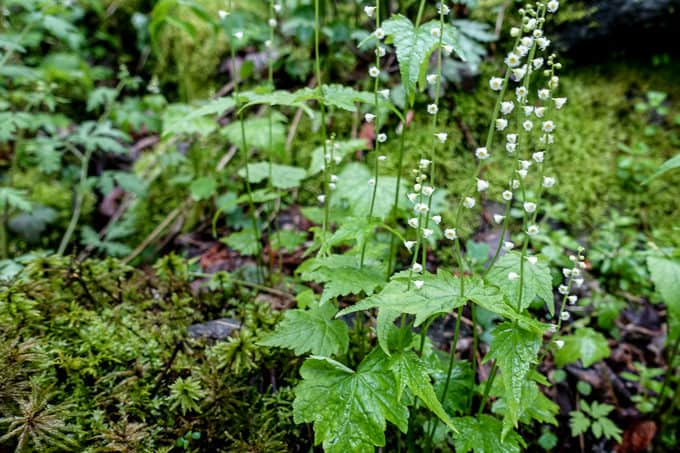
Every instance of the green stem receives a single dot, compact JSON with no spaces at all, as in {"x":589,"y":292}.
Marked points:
{"x":400,"y":165}
{"x":667,"y":376}
{"x":85,"y":162}
{"x":487,"y":387}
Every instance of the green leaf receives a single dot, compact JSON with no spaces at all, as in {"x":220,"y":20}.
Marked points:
{"x":13,"y":198}
{"x":177,"y":120}
{"x":414,"y":47}
{"x":245,"y":242}
{"x":213,"y":107}
{"x":460,"y":388}
{"x":101,"y":97}
{"x":340,"y":150}
{"x":579,"y":423}
{"x":585,"y":344}
{"x":345,"y":98}
{"x":670,"y":164}
{"x":411,"y":371}
{"x":312,"y":330}
{"x":349,"y":409}
{"x":608,"y":428}
{"x":280,"y":97}
{"x":203,"y":188}
{"x":353,"y":192}
{"x":537,"y":280}
{"x":534,"y":405}
{"x":342,"y":275}
{"x":283,"y":176}
{"x":599,"y":410}
{"x":665,"y":274}
{"x":515,"y":350}
{"x":288,"y":240}
{"x":257,"y":132}
{"x":483,"y":435}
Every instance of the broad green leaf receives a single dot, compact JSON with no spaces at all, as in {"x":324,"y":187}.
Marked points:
{"x":13,"y":198}
{"x":257,"y":132}
{"x":354,"y":192}
{"x":598,"y":410}
{"x":410,"y":371}
{"x":176,"y":120}
{"x":342,"y":275}
{"x":585,"y":344}
{"x":349,"y":409}
{"x":606,"y":427}
{"x":578,"y":422}
{"x":665,"y":274}
{"x":345,"y":98}
{"x":213,"y":107}
{"x":280,"y":97}
{"x":312,"y":330}
{"x":460,"y":388}
{"x":283,"y":176}
{"x":483,"y":435}
{"x":537,"y":280}
{"x":534,"y":405}
{"x":515,"y":351}
{"x":100,"y":97}
{"x":245,"y":242}
{"x":287,"y":240}
{"x":203,"y":188}
{"x":414,"y":47}
{"x":670,"y":164}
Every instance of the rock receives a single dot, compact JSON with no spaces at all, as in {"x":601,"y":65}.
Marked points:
{"x":620,"y":27}
{"x":217,"y":329}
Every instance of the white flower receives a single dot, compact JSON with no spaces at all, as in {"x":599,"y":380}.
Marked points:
{"x":371,"y":182}
{"x":582,"y":265}
{"x":549,"y":139}
{"x":272,"y":22}
{"x":507,"y":107}
{"x":369,"y":117}
{"x":532,"y":230}
{"x":538,"y":156}
{"x":409,"y":245}
{"x":418,"y":284}
{"x":498,"y":218}
{"x":507,"y":195}
{"x":369,"y":10}
{"x":417,"y":187}
{"x":521,"y":93}
{"x":559,"y":102}
{"x":428,"y":190}
{"x":435,"y":32}
{"x":548,"y":182}
{"x":424,"y":163}
{"x":543,"y":42}
{"x":443,"y":9}
{"x":382,"y":138}
{"x":552,"y":6}
{"x":563,"y":289}
{"x":374,"y":72}
{"x":531,"y":24}
{"x":380,"y":51}
{"x":578,"y":282}
{"x":537,"y":62}
{"x":564,"y":316}
{"x":529,"y":206}
{"x":441,"y":136}
{"x":331,"y":185}
{"x":417,"y":268}
{"x":510,"y":147}
{"x":268,"y":44}
{"x":515,"y":184}
{"x":334,"y":178}
{"x":527,"y":125}
{"x":427,"y":232}
{"x":532,"y":259}
{"x":432,"y":109}
{"x":469,"y":202}
{"x":515,"y":32}
{"x":431,"y":79}
{"x":413,"y":222}
{"x":277,"y":7}
{"x":496,"y":83}
{"x":321,"y":198}
{"x":450,"y":234}
{"x":481,"y":153}
{"x":525,"y":164}
{"x":554,"y":82}
{"x":559,"y":344}
{"x":528,"y":110}
{"x":548,"y":126}
{"x":507,"y":245}
{"x":511,"y":138}
{"x":572,"y":299}
{"x":501,"y":124}
{"x":522,"y":173}
{"x":384,"y":93}
{"x":512,"y":276}
{"x":518,"y":73}
{"x":420,"y":208}
{"x":382,"y":158}
{"x":482,"y":185}
{"x":537,"y":33}
{"x":238,"y":35}
{"x":412,"y":197}
{"x":222,"y":13}
{"x":527,"y":41}
{"x":522,"y":50}
{"x":544,"y":94}
{"x":539,"y":112}
{"x":448,"y":49}
{"x":437,"y":219}
{"x":513,"y":60}
{"x":379,"y":33}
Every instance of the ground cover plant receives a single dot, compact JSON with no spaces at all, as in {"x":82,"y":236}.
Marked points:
{"x":333,"y":226}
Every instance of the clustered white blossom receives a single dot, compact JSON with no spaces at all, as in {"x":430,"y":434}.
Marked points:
{"x":573,"y":276}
